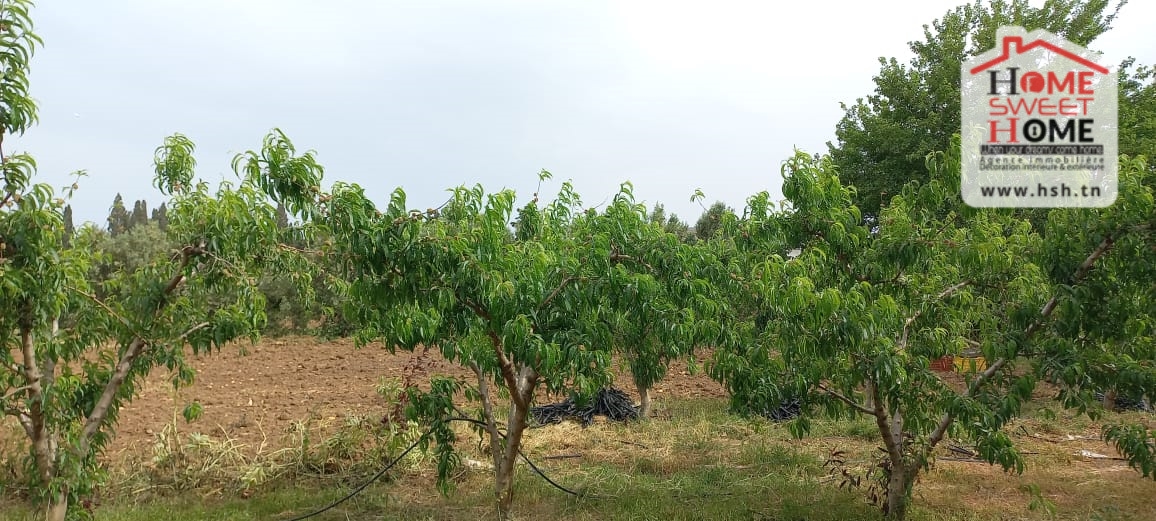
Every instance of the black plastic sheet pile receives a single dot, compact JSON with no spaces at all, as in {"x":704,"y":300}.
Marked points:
{"x":612,"y":403}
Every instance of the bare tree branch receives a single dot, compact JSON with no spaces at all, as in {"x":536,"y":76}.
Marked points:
{"x":36,"y":426}
{"x":15,"y":370}
{"x":230,"y":268}
{"x":854,"y":405}
{"x":25,"y":421}
{"x":557,"y":290}
{"x":289,"y":247}
{"x":192,"y":330}
{"x":1045,"y":312}
{"x":504,"y":362}
{"x":100,"y":410}
{"x":911,"y":320}
{"x":615,"y":257}
{"x":101,"y":303}
{"x":491,"y":425}
{"x":15,"y":392}
{"x":3,"y":162}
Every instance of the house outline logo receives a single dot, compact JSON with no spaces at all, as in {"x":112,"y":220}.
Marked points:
{"x":1015,"y":44}
{"x":1038,"y":124}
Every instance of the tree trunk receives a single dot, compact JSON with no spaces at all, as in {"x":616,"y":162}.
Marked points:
{"x":1110,"y":400}
{"x":504,"y":470}
{"x":44,"y":446}
{"x":521,"y":384}
{"x":504,"y":486}
{"x":58,"y":508}
{"x":890,"y":425}
{"x":899,"y":482}
{"x":39,"y":432}
{"x":644,"y":400}
{"x":897,"y":493}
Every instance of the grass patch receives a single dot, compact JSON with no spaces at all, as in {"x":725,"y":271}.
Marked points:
{"x":694,"y":461}
{"x":860,"y":428}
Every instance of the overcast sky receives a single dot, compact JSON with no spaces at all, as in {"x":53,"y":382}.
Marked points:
{"x":429,"y":94}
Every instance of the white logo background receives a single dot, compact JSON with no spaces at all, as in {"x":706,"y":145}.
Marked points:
{"x":1050,"y":169}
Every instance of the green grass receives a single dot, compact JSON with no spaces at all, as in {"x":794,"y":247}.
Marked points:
{"x":693,"y":462}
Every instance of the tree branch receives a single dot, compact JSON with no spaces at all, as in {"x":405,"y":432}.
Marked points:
{"x":48,"y":370}
{"x":616,"y":257}
{"x":505,"y":365}
{"x":864,"y":278}
{"x":230,"y":267}
{"x":854,"y":405}
{"x":25,"y":421}
{"x":911,"y":320}
{"x":100,"y":410}
{"x":491,"y":425}
{"x":192,"y":330}
{"x":527,"y":380}
{"x":31,"y":364}
{"x":15,"y":392}
{"x":476,"y":308}
{"x":294,"y":249}
{"x":1081,"y":272}
{"x":101,"y":303}
{"x":891,"y":443}
{"x":842,"y":257}
{"x":557,"y":290}
{"x":1048,"y":309}
{"x":4,"y":162}
{"x":35,"y":426}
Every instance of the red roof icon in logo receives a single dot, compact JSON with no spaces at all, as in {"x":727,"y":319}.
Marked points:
{"x":1016,"y":44}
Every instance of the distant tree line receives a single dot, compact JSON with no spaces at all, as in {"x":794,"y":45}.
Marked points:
{"x":705,"y":227}
{"x":133,"y":238}
{"x":120,"y":220}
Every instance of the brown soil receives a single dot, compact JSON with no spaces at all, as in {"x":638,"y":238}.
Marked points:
{"x":256,"y":395}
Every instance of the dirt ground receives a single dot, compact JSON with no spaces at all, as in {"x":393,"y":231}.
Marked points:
{"x":255,"y":398}
{"x":257,"y":395}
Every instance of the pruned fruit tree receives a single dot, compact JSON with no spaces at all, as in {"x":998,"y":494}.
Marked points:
{"x":536,"y":305}
{"x":664,"y":300}
{"x":858,"y":315}
{"x":72,"y":352}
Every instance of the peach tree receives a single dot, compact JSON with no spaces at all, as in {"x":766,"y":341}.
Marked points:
{"x":526,"y":308}
{"x":665,"y":301}
{"x":856,"y":317}
{"x":1104,"y":335}
{"x":73,"y":350}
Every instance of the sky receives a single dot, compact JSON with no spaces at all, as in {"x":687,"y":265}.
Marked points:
{"x":427,"y":95}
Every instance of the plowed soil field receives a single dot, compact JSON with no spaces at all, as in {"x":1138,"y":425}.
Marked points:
{"x":255,"y":394}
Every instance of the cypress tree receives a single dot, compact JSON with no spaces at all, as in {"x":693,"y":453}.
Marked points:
{"x":118,"y":217}
{"x":69,"y":229}
{"x":140,"y":214}
{"x":160,"y":216}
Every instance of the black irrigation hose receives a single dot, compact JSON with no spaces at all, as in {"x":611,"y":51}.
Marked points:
{"x":361,"y":487}
{"x":537,"y":470}
{"x":414,"y":445}
{"x":610,"y":402}
{"x":1127,"y":403}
